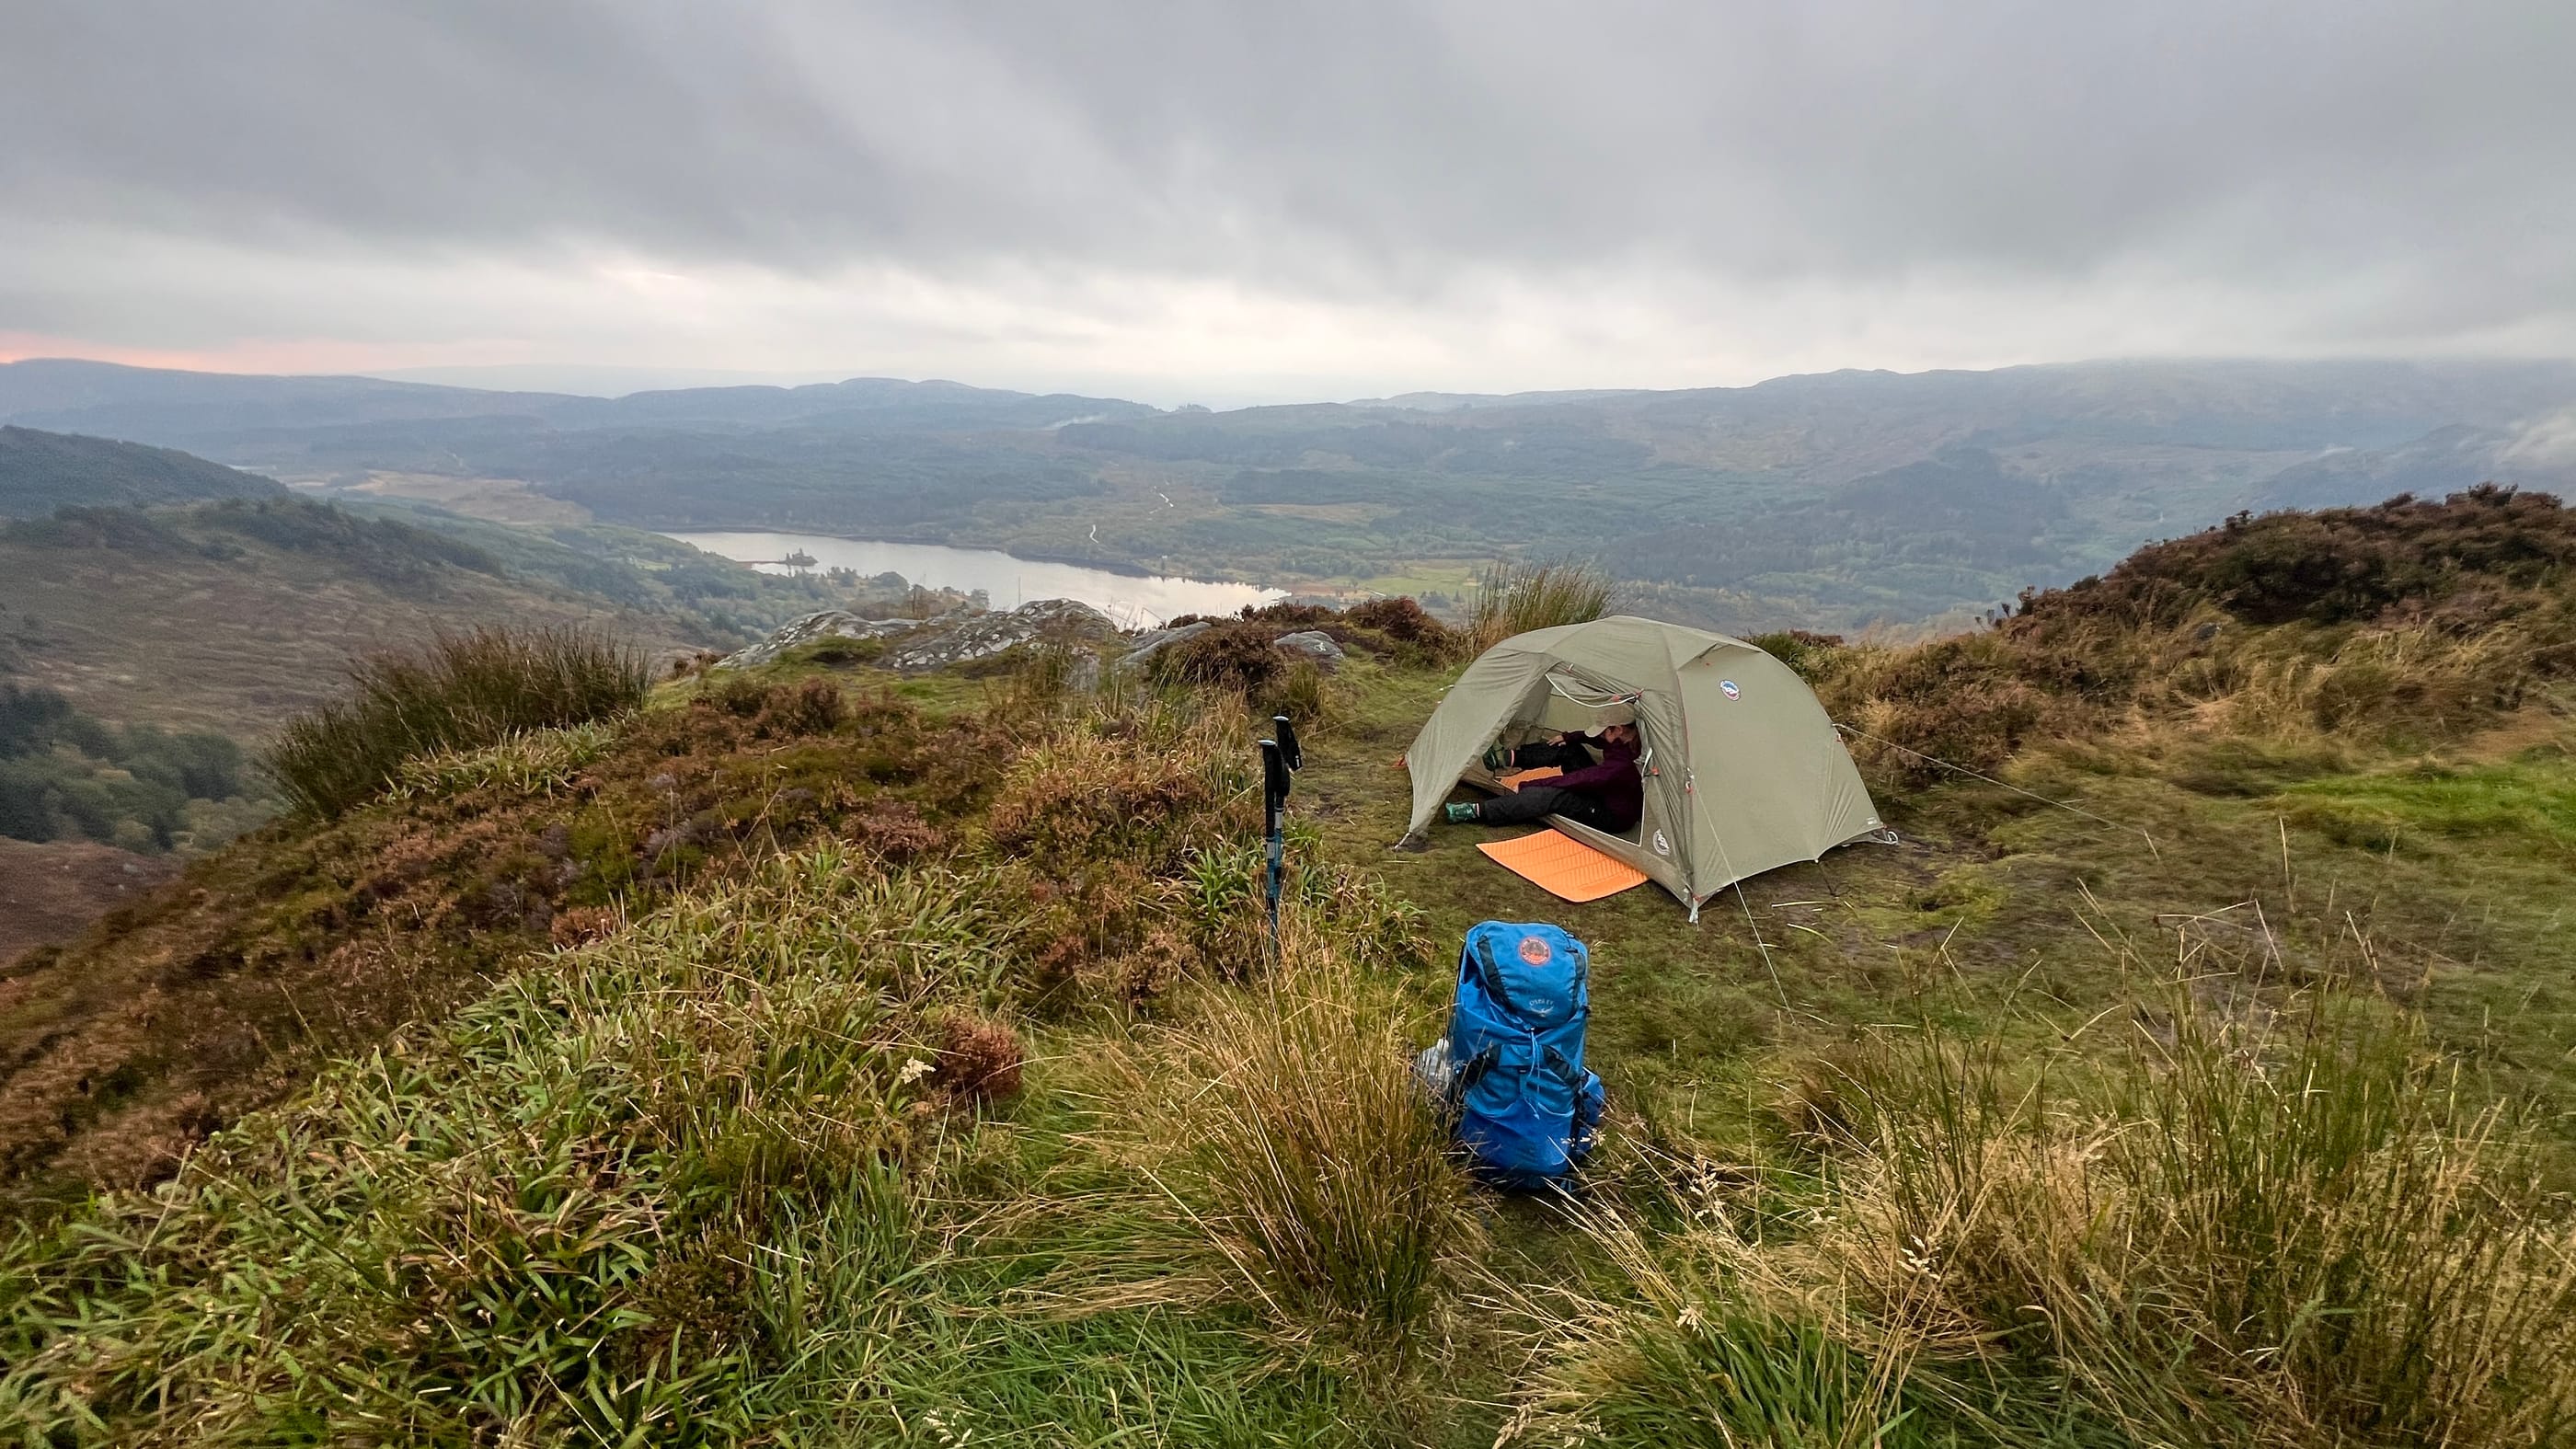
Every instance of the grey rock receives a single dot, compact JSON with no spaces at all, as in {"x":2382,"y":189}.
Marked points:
{"x":981,"y":636}
{"x":828,"y":624}
{"x":1149,"y":644}
{"x":1313,"y":644}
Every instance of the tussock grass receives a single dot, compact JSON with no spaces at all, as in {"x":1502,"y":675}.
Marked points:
{"x":1304,"y":693}
{"x":528,"y":762}
{"x":1148,"y":783}
{"x":533,"y":1224}
{"x":1706,"y":1348}
{"x":1287,"y":1127}
{"x":464,"y":692}
{"x":1514,"y":598}
{"x":2258,"y":1222}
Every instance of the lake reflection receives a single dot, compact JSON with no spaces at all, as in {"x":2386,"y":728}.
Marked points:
{"x":1008,"y":581}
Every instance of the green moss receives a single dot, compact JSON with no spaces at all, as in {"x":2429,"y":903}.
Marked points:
{"x":2531,"y":799}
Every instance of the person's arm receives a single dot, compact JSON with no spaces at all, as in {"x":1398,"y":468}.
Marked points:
{"x":1596,"y":776}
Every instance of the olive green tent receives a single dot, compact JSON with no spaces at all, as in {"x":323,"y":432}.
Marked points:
{"x":1743,"y":771}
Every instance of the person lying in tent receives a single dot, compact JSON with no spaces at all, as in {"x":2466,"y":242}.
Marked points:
{"x":1607,"y":796}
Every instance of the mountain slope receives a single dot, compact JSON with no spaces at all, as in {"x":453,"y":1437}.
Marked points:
{"x":40,"y":472}
{"x":2443,"y":461}
{"x":228,"y":615}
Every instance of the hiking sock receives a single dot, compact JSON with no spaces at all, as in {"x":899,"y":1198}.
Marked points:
{"x":1463,"y":814}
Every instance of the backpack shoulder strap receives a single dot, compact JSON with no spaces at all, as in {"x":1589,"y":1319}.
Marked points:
{"x":1490,"y":977}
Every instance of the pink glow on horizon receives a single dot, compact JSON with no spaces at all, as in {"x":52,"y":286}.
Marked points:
{"x":259,"y":356}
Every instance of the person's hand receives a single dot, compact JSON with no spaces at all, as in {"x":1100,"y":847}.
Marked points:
{"x":1556,"y":739}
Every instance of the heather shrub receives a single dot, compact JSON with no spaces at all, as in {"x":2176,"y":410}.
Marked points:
{"x":1957,"y":700}
{"x":2327,"y":566}
{"x":1409,"y":633}
{"x":1106,"y":813}
{"x":1240,"y":657}
{"x":1286,"y":617}
{"x":1810,"y":655}
{"x":980,"y":1058}
{"x":809,"y":707}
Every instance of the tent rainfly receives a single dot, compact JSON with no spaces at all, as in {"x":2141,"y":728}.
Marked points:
{"x":1743,"y":771}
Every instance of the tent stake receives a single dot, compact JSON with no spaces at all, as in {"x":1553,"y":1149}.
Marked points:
{"x":1830,"y":888}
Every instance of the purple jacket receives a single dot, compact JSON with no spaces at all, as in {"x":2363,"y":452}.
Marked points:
{"x":1614,"y":780}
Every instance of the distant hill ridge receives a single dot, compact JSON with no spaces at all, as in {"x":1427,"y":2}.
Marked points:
{"x":1844,"y":500}
{"x":192,"y":408}
{"x":40,"y":472}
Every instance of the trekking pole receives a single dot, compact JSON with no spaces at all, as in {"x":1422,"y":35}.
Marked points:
{"x":1280,"y":758}
{"x":1274,"y":792}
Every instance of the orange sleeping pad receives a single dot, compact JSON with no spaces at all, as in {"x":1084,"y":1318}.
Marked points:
{"x":1563,"y":866}
{"x":1518,"y":778}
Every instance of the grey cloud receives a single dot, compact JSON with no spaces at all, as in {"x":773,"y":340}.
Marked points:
{"x":2415,"y":163}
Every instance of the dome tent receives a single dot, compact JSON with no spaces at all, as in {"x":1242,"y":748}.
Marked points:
{"x":1743,"y":771}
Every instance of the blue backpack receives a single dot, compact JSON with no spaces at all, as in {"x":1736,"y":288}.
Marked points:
{"x":1510,"y":1071}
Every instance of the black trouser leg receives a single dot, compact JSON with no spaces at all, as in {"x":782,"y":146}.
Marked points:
{"x":1538,"y":755}
{"x":1537,"y":802}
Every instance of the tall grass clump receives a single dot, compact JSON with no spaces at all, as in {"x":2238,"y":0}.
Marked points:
{"x":2303,"y":1226}
{"x":1289,"y":1130}
{"x":463,"y":692}
{"x":537,"y":1224}
{"x":1706,"y":1349}
{"x":2259,"y":1217}
{"x":1514,"y":598}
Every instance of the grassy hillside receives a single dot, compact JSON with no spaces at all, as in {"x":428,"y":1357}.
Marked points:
{"x":816,"y":1056}
{"x":230,"y":616}
{"x":40,"y":472}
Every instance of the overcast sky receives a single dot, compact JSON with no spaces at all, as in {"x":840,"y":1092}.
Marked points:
{"x":1230,"y":203}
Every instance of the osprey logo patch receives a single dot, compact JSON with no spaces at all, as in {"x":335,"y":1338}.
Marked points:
{"x":1535,"y":951}
{"x":1662,"y":846}
{"x":1727,"y":687}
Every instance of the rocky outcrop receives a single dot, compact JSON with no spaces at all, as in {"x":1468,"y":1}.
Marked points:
{"x":1154,"y":641}
{"x":1312,"y":644}
{"x":829,"y":624}
{"x":916,"y":646}
{"x":981,"y":636}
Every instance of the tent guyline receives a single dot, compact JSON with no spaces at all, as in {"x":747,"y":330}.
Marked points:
{"x":2005,"y":785}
